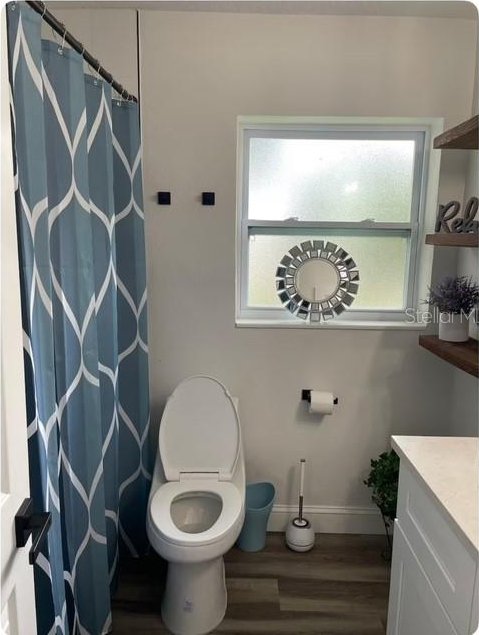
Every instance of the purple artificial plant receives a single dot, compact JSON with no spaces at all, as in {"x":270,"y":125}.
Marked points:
{"x":454,"y":295}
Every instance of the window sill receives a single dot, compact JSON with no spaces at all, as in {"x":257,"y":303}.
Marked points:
{"x":333,"y":324}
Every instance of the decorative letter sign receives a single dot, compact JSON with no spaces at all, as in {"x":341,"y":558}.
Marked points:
{"x":464,"y":225}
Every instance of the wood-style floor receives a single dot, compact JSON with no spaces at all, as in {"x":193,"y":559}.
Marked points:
{"x":341,"y":586}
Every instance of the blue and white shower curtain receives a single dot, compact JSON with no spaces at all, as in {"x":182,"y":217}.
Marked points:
{"x":83,"y":278}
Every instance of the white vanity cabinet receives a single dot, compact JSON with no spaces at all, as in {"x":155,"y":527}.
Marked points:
{"x":435,"y":553}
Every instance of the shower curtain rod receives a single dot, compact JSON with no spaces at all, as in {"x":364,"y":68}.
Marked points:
{"x":60,"y":28}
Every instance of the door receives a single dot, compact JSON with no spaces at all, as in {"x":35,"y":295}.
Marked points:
{"x":17,"y":598}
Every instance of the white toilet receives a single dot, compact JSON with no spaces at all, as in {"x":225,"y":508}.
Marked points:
{"x":197,"y":500}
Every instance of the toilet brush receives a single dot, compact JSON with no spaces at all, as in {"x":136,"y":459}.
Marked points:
{"x":300,"y":534}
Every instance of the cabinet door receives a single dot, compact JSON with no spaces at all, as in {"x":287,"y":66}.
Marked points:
{"x":446,"y":561}
{"x":474,"y":625}
{"x":414,"y":607}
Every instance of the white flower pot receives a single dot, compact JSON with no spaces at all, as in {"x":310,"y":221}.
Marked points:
{"x":453,"y":327}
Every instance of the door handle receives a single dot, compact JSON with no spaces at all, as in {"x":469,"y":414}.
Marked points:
{"x":26,"y":523}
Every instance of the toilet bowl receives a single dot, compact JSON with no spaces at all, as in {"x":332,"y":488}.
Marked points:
{"x":197,"y":502}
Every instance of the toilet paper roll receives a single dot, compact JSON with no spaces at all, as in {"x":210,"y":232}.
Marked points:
{"x":321,"y":402}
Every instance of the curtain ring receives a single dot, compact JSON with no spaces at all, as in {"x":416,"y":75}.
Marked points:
{"x":44,"y":9}
{"x":118,"y":101}
{"x":95,"y":70}
{"x":62,"y":45}
{"x":119,"y":92}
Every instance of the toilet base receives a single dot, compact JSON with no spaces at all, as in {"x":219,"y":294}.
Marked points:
{"x":194,"y":601}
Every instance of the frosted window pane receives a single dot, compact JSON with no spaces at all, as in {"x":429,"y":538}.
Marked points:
{"x":330,"y":179}
{"x":381,"y":261}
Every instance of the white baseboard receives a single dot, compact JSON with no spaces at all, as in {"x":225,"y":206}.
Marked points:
{"x":330,"y":519}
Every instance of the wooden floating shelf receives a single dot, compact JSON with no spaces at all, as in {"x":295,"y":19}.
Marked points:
{"x":465,"y":136}
{"x":463,"y":355}
{"x":453,"y":240}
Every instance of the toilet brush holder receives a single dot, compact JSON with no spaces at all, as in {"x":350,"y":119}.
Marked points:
{"x":300,"y":533}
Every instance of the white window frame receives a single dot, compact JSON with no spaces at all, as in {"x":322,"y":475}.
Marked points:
{"x":424,"y":203}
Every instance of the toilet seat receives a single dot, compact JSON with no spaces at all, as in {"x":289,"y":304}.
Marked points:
{"x":160,"y":510}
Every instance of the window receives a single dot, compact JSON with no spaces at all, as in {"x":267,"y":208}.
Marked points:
{"x":358,"y":185}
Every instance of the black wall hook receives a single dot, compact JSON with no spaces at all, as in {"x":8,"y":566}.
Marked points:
{"x":306,"y":396}
{"x":164,"y":198}
{"x":207,"y":198}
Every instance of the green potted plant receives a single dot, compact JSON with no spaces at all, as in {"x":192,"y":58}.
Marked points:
{"x":383,"y":480}
{"x":454,"y":298}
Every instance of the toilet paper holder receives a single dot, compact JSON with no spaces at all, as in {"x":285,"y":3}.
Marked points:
{"x":306,"y":396}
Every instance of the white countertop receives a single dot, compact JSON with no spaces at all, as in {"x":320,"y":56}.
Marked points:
{"x":449,"y":467}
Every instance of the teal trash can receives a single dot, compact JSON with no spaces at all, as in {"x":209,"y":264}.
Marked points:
{"x":259,"y":503}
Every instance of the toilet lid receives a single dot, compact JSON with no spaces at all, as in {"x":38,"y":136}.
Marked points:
{"x":199,"y":430}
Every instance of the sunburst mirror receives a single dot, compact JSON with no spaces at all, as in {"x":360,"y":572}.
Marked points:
{"x":316,"y":280}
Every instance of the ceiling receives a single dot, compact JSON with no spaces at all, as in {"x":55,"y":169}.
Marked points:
{"x":412,"y":8}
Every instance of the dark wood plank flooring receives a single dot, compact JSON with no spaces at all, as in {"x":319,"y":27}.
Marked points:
{"x":341,"y":586}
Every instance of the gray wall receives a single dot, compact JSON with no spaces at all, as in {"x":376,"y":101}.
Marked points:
{"x":465,"y":393}
{"x":199,"y":71}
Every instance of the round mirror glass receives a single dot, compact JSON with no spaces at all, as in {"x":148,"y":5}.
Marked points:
{"x":317,"y":280}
